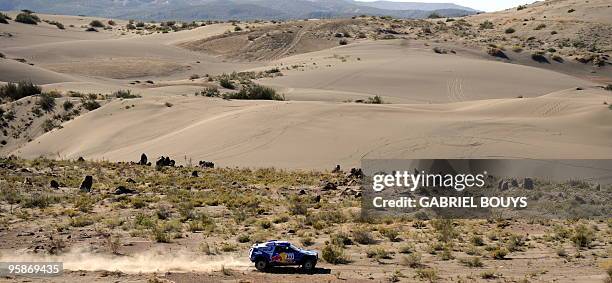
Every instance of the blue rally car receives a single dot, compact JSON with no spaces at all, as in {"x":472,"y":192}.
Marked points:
{"x":282,"y":253}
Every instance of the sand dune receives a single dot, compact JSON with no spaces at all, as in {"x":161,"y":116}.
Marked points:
{"x":404,"y":74}
{"x":320,"y":134}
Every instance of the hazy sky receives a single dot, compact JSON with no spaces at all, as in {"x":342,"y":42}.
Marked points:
{"x":484,"y":5}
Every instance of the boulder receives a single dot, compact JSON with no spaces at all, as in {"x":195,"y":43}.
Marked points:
{"x":528,"y":184}
{"x":206,"y":164}
{"x":121,"y":190}
{"x":194,"y":174}
{"x":326,"y":186}
{"x":54,"y":184}
{"x":87,"y":184}
{"x":337,"y":169}
{"x":144,"y":160}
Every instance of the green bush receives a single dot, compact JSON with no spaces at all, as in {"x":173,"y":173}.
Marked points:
{"x":27,"y":18}
{"x":68,"y":105}
{"x":583,"y":236}
{"x":510,"y":30}
{"x":125,"y":94}
{"x":96,"y":24}
{"x":333,"y":254}
{"x":486,"y":25}
{"x":16,"y":91}
{"x":46,"y":102}
{"x":255,"y":92}
{"x":90,"y":104}
{"x":226,"y":83}
{"x":4,"y":18}
{"x":209,"y":92}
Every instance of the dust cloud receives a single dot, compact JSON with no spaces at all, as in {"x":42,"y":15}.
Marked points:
{"x":144,"y":262}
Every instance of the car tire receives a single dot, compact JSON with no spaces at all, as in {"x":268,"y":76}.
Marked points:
{"x":261,"y":264}
{"x":309,"y":265}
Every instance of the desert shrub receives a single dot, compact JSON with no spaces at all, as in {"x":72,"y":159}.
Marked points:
{"x":255,"y":92}
{"x":413,"y":260}
{"x":307,"y":241}
{"x":499,"y":253}
{"x":428,"y":274}
{"x":608,"y":87}
{"x":48,"y":125}
{"x":244,"y":238}
{"x":363,"y":237}
{"x":497,"y":52}
{"x":378,"y":253}
{"x":341,"y":239}
{"x":113,"y":243}
{"x":46,"y":102}
{"x":2,"y":55}
{"x":237,"y":28}
{"x":509,"y":30}
{"x":486,"y":25}
{"x":90,"y":104}
{"x":521,"y":7}
{"x":472,"y":262}
{"x":390,"y":233}
{"x":27,"y":18}
{"x":375,"y":100}
{"x":91,"y":29}
{"x":68,"y":105}
{"x":583,"y":236}
{"x":57,"y":24}
{"x":168,"y":104}
{"x":333,"y":254}
{"x":130,"y":26}
{"x":488,"y":274}
{"x":125,"y":94}
{"x":445,"y":229}
{"x":111,"y":23}
{"x":81,"y":221}
{"x":226,"y":83}
{"x":515,"y":243}
{"x":540,"y":26}
{"x":96,"y":24}
{"x":571,"y":10}
{"x":36,"y":201}
{"x":477,"y":240}
{"x":407,"y":249}
{"x":343,"y":42}
{"x":539,"y":57}
{"x":4,"y":18}
{"x":16,"y":91}
{"x":209,"y":92}
{"x":558,"y":58}
{"x":160,"y":234}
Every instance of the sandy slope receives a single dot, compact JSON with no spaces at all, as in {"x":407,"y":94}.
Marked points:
{"x":405,"y":74}
{"x":566,"y":124}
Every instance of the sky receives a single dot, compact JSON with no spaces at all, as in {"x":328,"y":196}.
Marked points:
{"x":483,"y":5}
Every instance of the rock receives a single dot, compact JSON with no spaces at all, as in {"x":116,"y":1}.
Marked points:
{"x":317,"y":198}
{"x":165,"y":161}
{"x":356,"y":173}
{"x":27,"y":181}
{"x":514,"y":183}
{"x":81,"y":159}
{"x":206,"y":164}
{"x":358,"y":195}
{"x":54,"y":184}
{"x":143,"y":160}
{"x":87,"y":184}
{"x":337,"y":169}
{"x":328,"y":186}
{"x":121,"y":190}
{"x":528,"y":184}
{"x":194,"y":174}
{"x":302,"y":192}
{"x":130,"y":180}
{"x":504,"y":185}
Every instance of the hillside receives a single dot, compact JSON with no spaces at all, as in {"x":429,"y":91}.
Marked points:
{"x":189,"y":10}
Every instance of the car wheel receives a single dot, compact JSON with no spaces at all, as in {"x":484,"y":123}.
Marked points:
{"x":309,"y":265}
{"x":261,"y":265}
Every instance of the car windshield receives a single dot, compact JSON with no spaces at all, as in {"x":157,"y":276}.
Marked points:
{"x":295,"y":248}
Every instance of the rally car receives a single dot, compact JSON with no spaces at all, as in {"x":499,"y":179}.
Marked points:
{"x":282,"y":253}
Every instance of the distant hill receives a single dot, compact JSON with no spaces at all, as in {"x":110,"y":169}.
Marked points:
{"x":389,"y":5}
{"x":188,"y":10}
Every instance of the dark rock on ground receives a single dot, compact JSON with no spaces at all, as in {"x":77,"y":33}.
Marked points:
{"x":54,"y":184}
{"x":87,"y":184}
{"x":121,"y":190}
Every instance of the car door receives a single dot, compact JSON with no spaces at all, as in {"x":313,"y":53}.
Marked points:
{"x":283,"y":255}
